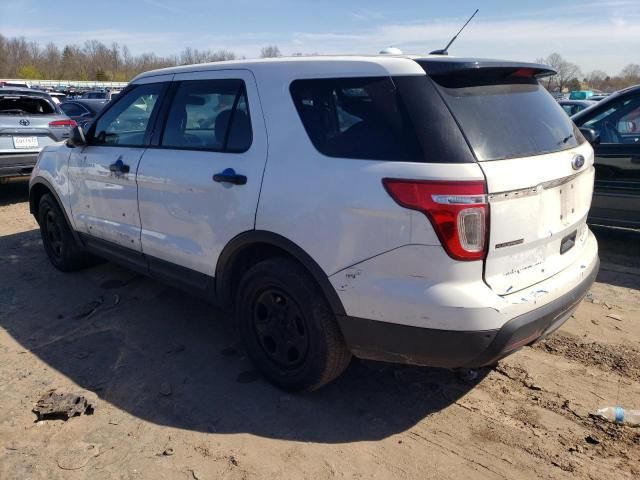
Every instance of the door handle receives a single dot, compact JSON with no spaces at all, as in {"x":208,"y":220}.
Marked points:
{"x":228,"y":175}
{"x":119,"y":167}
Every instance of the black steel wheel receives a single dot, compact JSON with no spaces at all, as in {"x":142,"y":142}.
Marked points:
{"x":62,"y":249}
{"x":281,"y":328}
{"x":288,"y":327}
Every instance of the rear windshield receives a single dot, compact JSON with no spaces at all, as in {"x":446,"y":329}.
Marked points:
{"x":25,"y":105}
{"x":507,"y":118}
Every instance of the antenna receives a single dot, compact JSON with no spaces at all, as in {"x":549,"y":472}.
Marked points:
{"x":444,"y":50}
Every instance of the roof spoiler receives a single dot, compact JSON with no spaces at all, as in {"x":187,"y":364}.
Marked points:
{"x":443,"y":66}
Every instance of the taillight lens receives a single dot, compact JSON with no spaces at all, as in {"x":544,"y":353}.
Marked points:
{"x":63,"y":123}
{"x":458,"y":211}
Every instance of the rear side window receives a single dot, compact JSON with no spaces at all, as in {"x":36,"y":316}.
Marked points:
{"x":507,"y":117}
{"x":209,"y":115}
{"x":362,"y":118}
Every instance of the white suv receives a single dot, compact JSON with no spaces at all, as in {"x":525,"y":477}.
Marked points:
{"x":419,"y":210}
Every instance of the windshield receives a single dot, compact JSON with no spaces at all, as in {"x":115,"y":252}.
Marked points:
{"x":507,"y":118}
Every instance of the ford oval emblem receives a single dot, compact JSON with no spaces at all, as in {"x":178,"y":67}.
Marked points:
{"x":578,"y":162}
{"x":24,"y":122}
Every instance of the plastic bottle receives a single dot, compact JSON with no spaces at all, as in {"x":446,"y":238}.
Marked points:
{"x":620,"y":415}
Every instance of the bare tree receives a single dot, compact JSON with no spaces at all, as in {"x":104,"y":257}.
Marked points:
{"x":631,"y":72}
{"x":270,"y":51}
{"x":565,"y":71}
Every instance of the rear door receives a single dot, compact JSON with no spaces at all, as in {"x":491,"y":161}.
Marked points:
{"x":199,"y":183}
{"x":616,"y":199}
{"x":104,"y":196}
{"x":538,"y":171}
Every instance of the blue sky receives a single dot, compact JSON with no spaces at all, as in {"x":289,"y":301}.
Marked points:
{"x":601,"y":34}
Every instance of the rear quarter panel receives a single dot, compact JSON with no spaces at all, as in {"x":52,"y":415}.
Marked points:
{"x":336,"y":209}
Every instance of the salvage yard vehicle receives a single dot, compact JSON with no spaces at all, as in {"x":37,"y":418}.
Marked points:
{"x":615,"y":121}
{"x":81,"y":110}
{"x":574,"y":106}
{"x":29,"y":121}
{"x":424,"y":210}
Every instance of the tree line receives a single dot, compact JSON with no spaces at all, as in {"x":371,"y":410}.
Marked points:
{"x":569,"y":77}
{"x":20,"y":58}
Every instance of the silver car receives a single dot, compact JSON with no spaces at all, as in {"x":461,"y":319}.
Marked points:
{"x":29,"y":121}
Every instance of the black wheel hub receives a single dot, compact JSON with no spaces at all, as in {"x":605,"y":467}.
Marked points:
{"x":280,"y":328}
{"x":53,"y":234}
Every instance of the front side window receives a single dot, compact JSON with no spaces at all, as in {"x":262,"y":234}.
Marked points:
{"x":622,"y":117}
{"x":209,"y":115}
{"x":362,"y":118}
{"x":126,"y":123}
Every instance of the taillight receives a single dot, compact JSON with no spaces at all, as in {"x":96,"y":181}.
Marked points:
{"x":458,"y":211}
{"x":63,"y":123}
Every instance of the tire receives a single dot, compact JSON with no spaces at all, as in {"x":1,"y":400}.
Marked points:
{"x":62,"y":249}
{"x":288,"y":328}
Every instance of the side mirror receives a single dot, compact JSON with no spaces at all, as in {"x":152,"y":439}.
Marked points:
{"x":77,"y":138}
{"x":590,"y":135}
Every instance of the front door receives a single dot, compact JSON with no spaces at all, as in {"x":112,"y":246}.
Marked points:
{"x":104,"y":197}
{"x":616,"y":199}
{"x":200,"y":181}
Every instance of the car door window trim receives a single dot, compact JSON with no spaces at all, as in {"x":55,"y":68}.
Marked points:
{"x":165,"y":109}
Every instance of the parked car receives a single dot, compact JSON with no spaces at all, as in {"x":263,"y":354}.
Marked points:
{"x":29,"y":121}
{"x":57,"y":97}
{"x":616,"y":124}
{"x":99,"y":95}
{"x":580,"y":95}
{"x":571,"y":107}
{"x":340,"y":205}
{"x":82,"y":110}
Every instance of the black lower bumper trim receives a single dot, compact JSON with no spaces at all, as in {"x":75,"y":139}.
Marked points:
{"x":17,"y":165}
{"x":391,"y":342}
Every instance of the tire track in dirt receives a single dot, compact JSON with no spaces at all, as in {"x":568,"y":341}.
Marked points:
{"x":623,"y":360}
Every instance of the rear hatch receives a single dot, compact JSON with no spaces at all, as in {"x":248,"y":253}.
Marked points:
{"x":538,"y":167}
{"x":28,"y":122}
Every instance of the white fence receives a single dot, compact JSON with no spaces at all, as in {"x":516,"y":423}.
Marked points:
{"x":67,"y":83}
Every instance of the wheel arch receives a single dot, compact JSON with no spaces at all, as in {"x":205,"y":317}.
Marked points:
{"x":40,"y":187}
{"x":250,"y":247}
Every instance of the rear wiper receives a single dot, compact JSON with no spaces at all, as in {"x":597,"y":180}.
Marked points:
{"x":566,"y":139}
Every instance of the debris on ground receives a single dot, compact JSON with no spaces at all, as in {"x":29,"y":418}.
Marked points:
{"x":168,"y":452}
{"x":53,"y":405}
{"x":615,"y":316}
{"x":89,"y":309}
{"x":592,"y":439}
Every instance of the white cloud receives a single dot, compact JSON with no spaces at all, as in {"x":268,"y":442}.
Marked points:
{"x":608,"y":42}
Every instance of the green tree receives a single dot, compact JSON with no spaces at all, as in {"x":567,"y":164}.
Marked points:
{"x":102,"y":76}
{"x":29,"y":72}
{"x":574,"y":84}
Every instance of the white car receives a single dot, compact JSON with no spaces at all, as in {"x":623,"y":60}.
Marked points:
{"x":423,"y":210}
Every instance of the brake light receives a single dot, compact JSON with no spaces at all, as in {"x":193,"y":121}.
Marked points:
{"x":63,"y":123}
{"x":458,"y":211}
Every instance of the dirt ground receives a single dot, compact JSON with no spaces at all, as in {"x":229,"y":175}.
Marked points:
{"x":178,"y":399}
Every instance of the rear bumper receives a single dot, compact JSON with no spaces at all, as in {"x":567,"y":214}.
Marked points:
{"x":392,"y":342}
{"x":17,"y":165}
